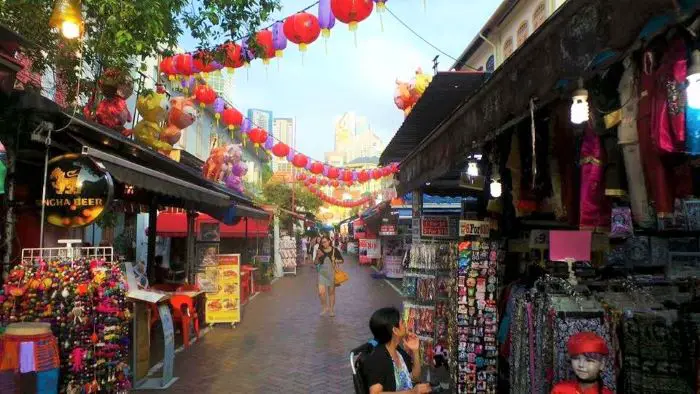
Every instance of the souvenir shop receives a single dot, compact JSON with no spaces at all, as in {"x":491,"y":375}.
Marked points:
{"x":75,"y":319}
{"x":578,"y":269}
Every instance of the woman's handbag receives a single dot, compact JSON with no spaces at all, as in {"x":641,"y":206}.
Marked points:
{"x":340,"y":276}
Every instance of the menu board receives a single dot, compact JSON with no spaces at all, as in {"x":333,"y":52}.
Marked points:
{"x":224,"y":305}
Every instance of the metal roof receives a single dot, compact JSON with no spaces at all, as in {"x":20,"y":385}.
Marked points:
{"x":444,"y":94}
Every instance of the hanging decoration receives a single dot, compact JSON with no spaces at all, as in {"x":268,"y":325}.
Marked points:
{"x":352,"y":12}
{"x":112,"y":111}
{"x":326,"y":20}
{"x":280,"y":149}
{"x":302,"y":29}
{"x":257,"y":136}
{"x":219,"y":106}
{"x":233,"y":59}
{"x":381,"y":8}
{"x":232,"y":118}
{"x":407,"y":94}
{"x":205,"y":95}
{"x":309,"y":183}
{"x":267,"y":47}
{"x":152,"y":108}
{"x":279,"y":40}
{"x":224,"y":165}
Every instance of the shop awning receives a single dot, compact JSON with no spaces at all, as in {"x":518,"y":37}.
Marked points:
{"x":444,"y":94}
{"x":174,"y":225}
{"x":556,"y":54}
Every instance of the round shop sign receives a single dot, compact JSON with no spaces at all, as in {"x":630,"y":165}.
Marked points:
{"x":78,"y":190}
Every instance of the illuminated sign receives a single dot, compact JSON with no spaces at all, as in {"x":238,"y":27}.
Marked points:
{"x":78,"y":190}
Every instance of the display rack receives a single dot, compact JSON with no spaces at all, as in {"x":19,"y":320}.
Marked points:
{"x":288,"y":252}
{"x":30,"y":255}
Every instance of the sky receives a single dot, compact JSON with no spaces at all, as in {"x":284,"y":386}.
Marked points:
{"x":316,"y":88}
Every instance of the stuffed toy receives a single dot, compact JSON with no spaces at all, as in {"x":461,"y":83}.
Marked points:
{"x":153,"y":110}
{"x":213,"y":167}
{"x":116,"y":86}
{"x":182,"y":115}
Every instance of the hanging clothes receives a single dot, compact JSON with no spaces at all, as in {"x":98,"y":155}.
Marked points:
{"x":628,"y":138}
{"x":668,"y":121}
{"x":528,"y":199}
{"x":654,"y":170}
{"x":515,"y":172}
{"x":592,"y":202}
{"x":564,"y":174}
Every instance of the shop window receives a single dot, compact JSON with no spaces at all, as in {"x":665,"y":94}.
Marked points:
{"x":508,"y":47}
{"x":523,"y":33}
{"x":538,"y":16}
{"x":490,"y":64}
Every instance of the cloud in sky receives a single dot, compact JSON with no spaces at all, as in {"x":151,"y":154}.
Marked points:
{"x":317,"y":87}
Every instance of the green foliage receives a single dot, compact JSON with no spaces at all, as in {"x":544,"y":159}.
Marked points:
{"x":121,"y":33}
{"x":266,"y":173}
{"x":280,"y":194}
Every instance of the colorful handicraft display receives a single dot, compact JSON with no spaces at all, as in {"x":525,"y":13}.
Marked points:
{"x":84,"y":301}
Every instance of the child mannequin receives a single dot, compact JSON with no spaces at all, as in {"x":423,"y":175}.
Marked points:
{"x":588,"y":352}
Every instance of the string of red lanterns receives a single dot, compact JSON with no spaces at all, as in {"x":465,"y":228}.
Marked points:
{"x":337,"y":202}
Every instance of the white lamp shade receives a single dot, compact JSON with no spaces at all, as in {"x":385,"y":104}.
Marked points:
{"x":579,"y":110}
{"x":496,"y":189}
{"x":472,"y":169}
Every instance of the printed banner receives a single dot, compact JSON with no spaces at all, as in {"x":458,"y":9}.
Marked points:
{"x":435,"y":226}
{"x":224,"y":306}
{"x":387,"y":230}
{"x":474,"y":228}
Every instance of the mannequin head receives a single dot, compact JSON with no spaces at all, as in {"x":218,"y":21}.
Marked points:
{"x":588,"y":352}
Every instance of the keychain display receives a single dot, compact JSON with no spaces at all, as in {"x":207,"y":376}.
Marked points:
{"x":477,"y":316}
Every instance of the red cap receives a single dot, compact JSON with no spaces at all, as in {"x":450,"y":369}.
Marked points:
{"x":586,"y":342}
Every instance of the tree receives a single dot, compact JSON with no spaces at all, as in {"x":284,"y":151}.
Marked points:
{"x":121,"y":33}
{"x":279,"y":193}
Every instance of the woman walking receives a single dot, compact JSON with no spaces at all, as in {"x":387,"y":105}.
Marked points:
{"x":326,"y":258}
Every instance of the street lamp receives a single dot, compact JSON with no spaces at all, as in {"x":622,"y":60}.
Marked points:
{"x":67,"y":17}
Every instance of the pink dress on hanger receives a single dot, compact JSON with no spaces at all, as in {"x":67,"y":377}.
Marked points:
{"x":592,"y":204}
{"x":668,"y":120}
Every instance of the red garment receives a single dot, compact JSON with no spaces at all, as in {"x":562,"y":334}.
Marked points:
{"x":574,"y":388}
{"x":668,"y":119}
{"x":592,"y":203}
{"x":654,"y":171}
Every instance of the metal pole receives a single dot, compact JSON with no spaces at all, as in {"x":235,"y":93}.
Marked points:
{"x":43,"y":191}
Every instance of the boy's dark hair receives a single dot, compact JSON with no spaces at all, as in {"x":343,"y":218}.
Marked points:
{"x":383,"y":322}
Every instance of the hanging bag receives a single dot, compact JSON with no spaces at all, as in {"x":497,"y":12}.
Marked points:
{"x":340,"y":275}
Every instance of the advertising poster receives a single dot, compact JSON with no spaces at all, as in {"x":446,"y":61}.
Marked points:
{"x":224,"y":306}
{"x":474,"y":228}
{"x":369,"y":249}
{"x":387,"y":230}
{"x":435,"y":226}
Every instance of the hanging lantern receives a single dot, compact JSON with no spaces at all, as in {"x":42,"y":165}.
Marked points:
{"x":67,"y":16}
{"x":232,"y":118}
{"x":472,"y":169}
{"x":363,"y":176}
{"x":351,"y":12}
{"x":333,"y":173}
{"x":302,"y":29}
{"x":234,"y":58}
{"x":257,"y":136}
{"x":266,"y":44}
{"x":184,"y":64}
{"x":347,"y":177}
{"x":312,"y":180}
{"x":323,"y":182}
{"x":386,"y":171}
{"x":301,"y":177}
{"x":316,"y":168}
{"x":167,"y":67}
{"x":579,"y":106}
{"x":495,"y":188}
{"x":335,"y":183}
{"x":376,"y":174}
{"x":381,"y":7}
{"x":279,"y":41}
{"x":300,"y":160}
{"x":326,"y":20}
{"x":204,"y":63}
{"x":280,"y":149}
{"x":219,"y":106}
{"x":205,"y":95}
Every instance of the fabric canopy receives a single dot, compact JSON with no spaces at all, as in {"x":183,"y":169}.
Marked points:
{"x":174,"y":225}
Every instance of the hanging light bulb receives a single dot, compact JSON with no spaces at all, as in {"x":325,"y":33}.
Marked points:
{"x":693,"y":89}
{"x":579,"y":107}
{"x":496,"y":188}
{"x":472,"y":169}
{"x":67,"y":17}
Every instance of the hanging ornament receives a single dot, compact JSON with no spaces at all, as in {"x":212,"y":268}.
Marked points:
{"x":184,"y":64}
{"x":326,"y":20}
{"x":167,"y":67}
{"x":205,"y":95}
{"x":316,"y":168}
{"x":257,"y":136}
{"x":302,"y":29}
{"x":351,"y":12}
{"x":381,"y":7}
{"x":363,"y":176}
{"x":234,"y":58}
{"x":280,"y":149}
{"x":219,"y":106}
{"x":333,"y":173}
{"x":279,"y":40}
{"x":300,"y":160}
{"x":323,"y":182}
{"x":232,"y":118}
{"x":266,"y":45}
{"x":301,"y":177}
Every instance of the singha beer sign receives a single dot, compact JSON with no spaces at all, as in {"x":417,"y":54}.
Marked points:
{"x":78,"y":190}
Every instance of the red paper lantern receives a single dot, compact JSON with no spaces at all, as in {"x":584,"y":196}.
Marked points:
{"x":351,"y":12}
{"x":167,"y":66}
{"x":333,"y":173}
{"x":203,"y":62}
{"x":233,"y":55}
{"x":280,"y":149}
{"x":300,"y":160}
{"x":302,"y":29}
{"x":363,"y":176}
{"x":323,"y":182}
{"x":184,"y":64}
{"x":257,"y":135}
{"x":232,"y":118}
{"x":376,"y":174}
{"x":205,"y":95}
{"x":316,"y":168}
{"x":301,"y":177}
{"x":335,"y":183}
{"x":347,"y":176}
{"x":264,"y":39}
{"x":313,"y":180}
{"x":307,"y":183}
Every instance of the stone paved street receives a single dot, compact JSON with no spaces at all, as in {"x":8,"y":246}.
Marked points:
{"x":282,"y":344}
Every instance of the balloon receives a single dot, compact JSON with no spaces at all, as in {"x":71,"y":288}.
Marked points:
{"x":279,"y":41}
{"x":326,"y":19}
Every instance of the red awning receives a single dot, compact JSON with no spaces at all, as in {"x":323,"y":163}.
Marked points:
{"x":174,"y":225}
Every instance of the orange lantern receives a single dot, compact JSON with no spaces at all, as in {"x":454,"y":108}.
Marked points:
{"x":302,"y":29}
{"x":351,"y":12}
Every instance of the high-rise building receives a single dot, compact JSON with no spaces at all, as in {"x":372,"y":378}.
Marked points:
{"x":283,"y":129}
{"x":354,"y":139}
{"x":222,"y":83}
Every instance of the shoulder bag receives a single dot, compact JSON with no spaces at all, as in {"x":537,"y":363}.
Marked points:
{"x":340,"y":275}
